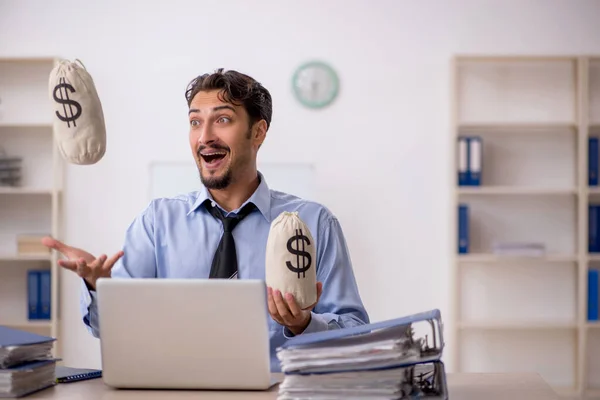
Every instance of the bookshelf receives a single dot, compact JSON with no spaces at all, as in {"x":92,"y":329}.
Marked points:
{"x":30,"y":207}
{"x":509,"y":313}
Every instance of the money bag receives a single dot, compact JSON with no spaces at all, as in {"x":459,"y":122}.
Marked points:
{"x":291,"y":259}
{"x":78,"y":119}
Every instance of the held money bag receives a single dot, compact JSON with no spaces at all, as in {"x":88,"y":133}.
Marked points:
{"x":291,"y":259}
{"x":78,"y":119}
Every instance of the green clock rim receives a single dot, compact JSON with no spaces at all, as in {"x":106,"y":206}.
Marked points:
{"x":332,"y":95}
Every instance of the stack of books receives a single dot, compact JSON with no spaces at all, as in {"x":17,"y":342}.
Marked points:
{"x":10,"y":170}
{"x":520,"y":249}
{"x":395,"y":359}
{"x":26,"y":362}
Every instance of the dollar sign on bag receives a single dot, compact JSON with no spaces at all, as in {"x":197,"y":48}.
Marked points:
{"x":303,"y":258}
{"x":67,"y":103}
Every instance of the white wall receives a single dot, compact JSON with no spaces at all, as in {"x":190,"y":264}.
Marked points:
{"x":383,"y":148}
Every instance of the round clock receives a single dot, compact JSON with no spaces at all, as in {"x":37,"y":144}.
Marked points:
{"x":315,"y":84}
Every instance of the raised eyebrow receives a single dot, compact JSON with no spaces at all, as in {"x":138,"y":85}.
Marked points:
{"x":217,"y":108}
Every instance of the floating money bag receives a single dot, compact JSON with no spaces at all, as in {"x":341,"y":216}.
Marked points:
{"x":291,"y":259}
{"x":78,"y":119}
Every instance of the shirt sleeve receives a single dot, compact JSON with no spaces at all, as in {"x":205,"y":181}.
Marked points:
{"x":138,"y":261}
{"x":340,"y":305}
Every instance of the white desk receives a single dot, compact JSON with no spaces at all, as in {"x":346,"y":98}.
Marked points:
{"x":462,"y":386}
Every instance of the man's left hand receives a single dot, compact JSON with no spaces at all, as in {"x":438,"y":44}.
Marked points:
{"x":285,"y":310}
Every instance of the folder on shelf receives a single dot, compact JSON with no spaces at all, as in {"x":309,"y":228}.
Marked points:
{"x":463,"y":161}
{"x":593,"y":295}
{"x":389,"y":359}
{"x":39,"y":294}
{"x":593,"y":228}
{"x":593,"y":161}
{"x":463,"y":229}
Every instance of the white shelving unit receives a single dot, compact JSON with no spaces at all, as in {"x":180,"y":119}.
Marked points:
{"x":509,"y":313}
{"x":26,"y":131}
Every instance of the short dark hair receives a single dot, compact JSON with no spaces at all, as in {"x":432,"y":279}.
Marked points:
{"x":236,"y":88}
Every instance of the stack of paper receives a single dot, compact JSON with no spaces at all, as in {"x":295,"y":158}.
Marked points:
{"x":394,"y":359}
{"x":520,"y":249}
{"x":26,"y":362}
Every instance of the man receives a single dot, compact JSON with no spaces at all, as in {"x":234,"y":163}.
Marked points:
{"x":229,"y":116}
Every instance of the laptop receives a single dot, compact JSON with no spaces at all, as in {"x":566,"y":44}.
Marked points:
{"x":184,"y":334}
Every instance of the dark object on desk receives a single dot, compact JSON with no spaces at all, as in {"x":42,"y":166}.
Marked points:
{"x":69,"y":374}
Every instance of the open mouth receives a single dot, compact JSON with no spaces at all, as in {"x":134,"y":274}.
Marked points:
{"x":213,"y":158}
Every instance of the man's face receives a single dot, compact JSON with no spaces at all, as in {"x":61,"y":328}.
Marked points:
{"x":220,"y":139}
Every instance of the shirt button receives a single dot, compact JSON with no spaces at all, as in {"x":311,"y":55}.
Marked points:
{"x":213,"y":203}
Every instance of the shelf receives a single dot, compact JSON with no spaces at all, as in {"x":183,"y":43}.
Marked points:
{"x":27,"y":60}
{"x":496,"y":258}
{"x":532,"y":127}
{"x":22,"y":125}
{"x":568,"y":392}
{"x":516,"y":325}
{"x":46,"y":324}
{"x":33,"y":257}
{"x":515,"y":191}
{"x":592,"y":393}
{"x":24,"y":190}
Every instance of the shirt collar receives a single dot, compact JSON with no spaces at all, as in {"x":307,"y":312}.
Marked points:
{"x":261,"y":199}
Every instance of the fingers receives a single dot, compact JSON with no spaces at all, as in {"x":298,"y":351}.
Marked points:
{"x":282,"y":308}
{"x":272,"y":307}
{"x":293,"y":306}
{"x":319,"y":290}
{"x":107,"y":266}
{"x":101,"y":266}
{"x":83,"y":269}
{"x":70,"y":265}
{"x":57,"y":245}
{"x":52,"y":243}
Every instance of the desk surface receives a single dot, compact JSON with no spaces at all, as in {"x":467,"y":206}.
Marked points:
{"x":462,"y":386}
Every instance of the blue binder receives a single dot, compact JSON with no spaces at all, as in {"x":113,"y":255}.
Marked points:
{"x":419,"y":372}
{"x":10,"y":337}
{"x":463,"y":229}
{"x":432,"y":316}
{"x":593,"y":228}
{"x":593,"y":296}
{"x":33,"y":293}
{"x":39,"y":294}
{"x":463,"y":161}
{"x":593,"y":161}
{"x":45,"y":295}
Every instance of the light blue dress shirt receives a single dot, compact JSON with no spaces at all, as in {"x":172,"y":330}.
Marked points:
{"x":177,"y":238}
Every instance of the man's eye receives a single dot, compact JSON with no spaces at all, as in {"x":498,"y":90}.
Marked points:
{"x":224,"y":119}
{"x":194,"y":122}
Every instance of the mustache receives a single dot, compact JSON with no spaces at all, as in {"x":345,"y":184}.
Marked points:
{"x":212,"y":147}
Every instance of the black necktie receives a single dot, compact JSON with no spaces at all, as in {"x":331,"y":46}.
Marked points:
{"x":224,"y":264}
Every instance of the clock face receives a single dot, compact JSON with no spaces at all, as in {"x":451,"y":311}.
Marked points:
{"x":315,"y":84}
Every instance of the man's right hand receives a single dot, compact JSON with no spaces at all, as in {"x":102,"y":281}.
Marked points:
{"x":83,"y":263}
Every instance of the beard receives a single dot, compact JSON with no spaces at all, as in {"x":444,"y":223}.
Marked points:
{"x":226,"y":178}
{"x":217,"y":182}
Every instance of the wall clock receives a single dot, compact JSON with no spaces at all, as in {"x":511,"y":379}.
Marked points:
{"x":315,"y":84}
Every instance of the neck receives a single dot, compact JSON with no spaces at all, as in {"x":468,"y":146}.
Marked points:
{"x":238,"y":191}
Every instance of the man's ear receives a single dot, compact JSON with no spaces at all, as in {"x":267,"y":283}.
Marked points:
{"x":259,"y":133}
